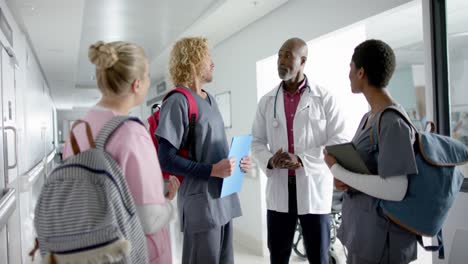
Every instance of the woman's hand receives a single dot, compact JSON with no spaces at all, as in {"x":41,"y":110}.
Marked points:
{"x":341,"y":186}
{"x":246,"y":164}
{"x":329,"y":160}
{"x":172,"y":187}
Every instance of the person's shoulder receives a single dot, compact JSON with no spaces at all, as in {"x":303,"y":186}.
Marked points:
{"x":134,"y":128}
{"x":130,"y":136}
{"x":131,"y":131}
{"x":263,"y":100}
{"x":319,"y":90}
{"x":392,"y":115}
{"x":323,"y":95}
{"x":271,"y":93}
{"x":175,"y":99}
{"x":391,"y":118}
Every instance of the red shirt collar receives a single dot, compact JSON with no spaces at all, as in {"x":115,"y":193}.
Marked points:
{"x":304,"y":84}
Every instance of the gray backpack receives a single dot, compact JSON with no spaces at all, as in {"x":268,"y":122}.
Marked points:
{"x":85,"y":212}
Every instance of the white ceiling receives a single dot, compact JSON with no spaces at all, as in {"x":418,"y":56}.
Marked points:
{"x":62,"y":30}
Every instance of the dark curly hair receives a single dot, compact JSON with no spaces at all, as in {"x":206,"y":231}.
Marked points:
{"x":377,"y":59}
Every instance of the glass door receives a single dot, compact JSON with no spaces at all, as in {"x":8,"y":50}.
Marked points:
{"x":456,"y":35}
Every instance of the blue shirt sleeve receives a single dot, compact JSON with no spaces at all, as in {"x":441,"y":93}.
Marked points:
{"x":178,"y":165}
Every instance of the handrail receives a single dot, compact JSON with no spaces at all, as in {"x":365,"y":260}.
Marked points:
{"x":15,"y":134}
{"x":30,"y":177}
{"x":51,"y":155}
{"x":7,"y":205}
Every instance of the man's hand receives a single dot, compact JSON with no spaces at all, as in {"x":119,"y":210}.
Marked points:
{"x":172,"y":187}
{"x":223,"y":168}
{"x":284,"y":160}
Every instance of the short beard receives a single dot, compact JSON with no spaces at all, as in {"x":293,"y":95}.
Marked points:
{"x":284,"y":77}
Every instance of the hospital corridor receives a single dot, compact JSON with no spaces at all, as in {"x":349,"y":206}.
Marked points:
{"x":234,"y":131}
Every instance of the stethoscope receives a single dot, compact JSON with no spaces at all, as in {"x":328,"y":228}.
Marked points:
{"x":275,"y":122}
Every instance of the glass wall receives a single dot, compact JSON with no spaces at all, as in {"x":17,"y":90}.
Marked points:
{"x":457,"y":43}
{"x":402,"y":29}
{"x":330,"y":55}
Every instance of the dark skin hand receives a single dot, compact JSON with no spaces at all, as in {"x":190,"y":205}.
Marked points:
{"x":330,"y":161}
{"x":284,"y":160}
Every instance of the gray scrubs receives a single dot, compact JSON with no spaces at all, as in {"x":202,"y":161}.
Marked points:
{"x":368,"y":235}
{"x":205,"y":217}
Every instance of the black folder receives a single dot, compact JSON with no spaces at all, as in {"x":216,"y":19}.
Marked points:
{"x":347,"y":156}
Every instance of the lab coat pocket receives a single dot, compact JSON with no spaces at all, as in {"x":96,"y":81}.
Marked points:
{"x":319,"y":124}
{"x":319,"y":132}
{"x":197,"y":214}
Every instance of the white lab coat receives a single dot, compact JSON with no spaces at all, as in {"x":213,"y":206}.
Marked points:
{"x":317,"y":123}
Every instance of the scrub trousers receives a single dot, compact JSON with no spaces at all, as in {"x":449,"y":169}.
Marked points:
{"x":211,"y":247}
{"x":401,"y":254}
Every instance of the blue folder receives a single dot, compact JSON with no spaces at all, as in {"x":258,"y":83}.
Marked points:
{"x":240,"y":147}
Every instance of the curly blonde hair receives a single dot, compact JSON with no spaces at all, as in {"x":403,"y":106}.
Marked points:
{"x":118,"y":64}
{"x":186,"y":58}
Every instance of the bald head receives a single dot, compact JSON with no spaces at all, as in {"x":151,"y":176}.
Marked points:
{"x":296,"y":44}
{"x":292,"y":57}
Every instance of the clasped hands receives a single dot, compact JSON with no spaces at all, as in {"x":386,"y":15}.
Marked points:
{"x":284,"y":160}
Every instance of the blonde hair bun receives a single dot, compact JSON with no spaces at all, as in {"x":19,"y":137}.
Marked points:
{"x":102,"y":55}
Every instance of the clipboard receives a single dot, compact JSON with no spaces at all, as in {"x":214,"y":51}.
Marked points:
{"x":240,"y":147}
{"x":348,"y":157}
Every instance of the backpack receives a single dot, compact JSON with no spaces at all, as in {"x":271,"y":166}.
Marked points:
{"x":85,"y":212}
{"x":153,"y":121}
{"x":432,"y":191}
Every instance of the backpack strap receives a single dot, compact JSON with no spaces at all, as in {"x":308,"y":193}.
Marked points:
{"x":192,"y":117}
{"x":439,"y":247}
{"x":110,"y":127}
{"x":89,"y":135}
{"x":375,"y":129}
{"x":192,"y":103}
